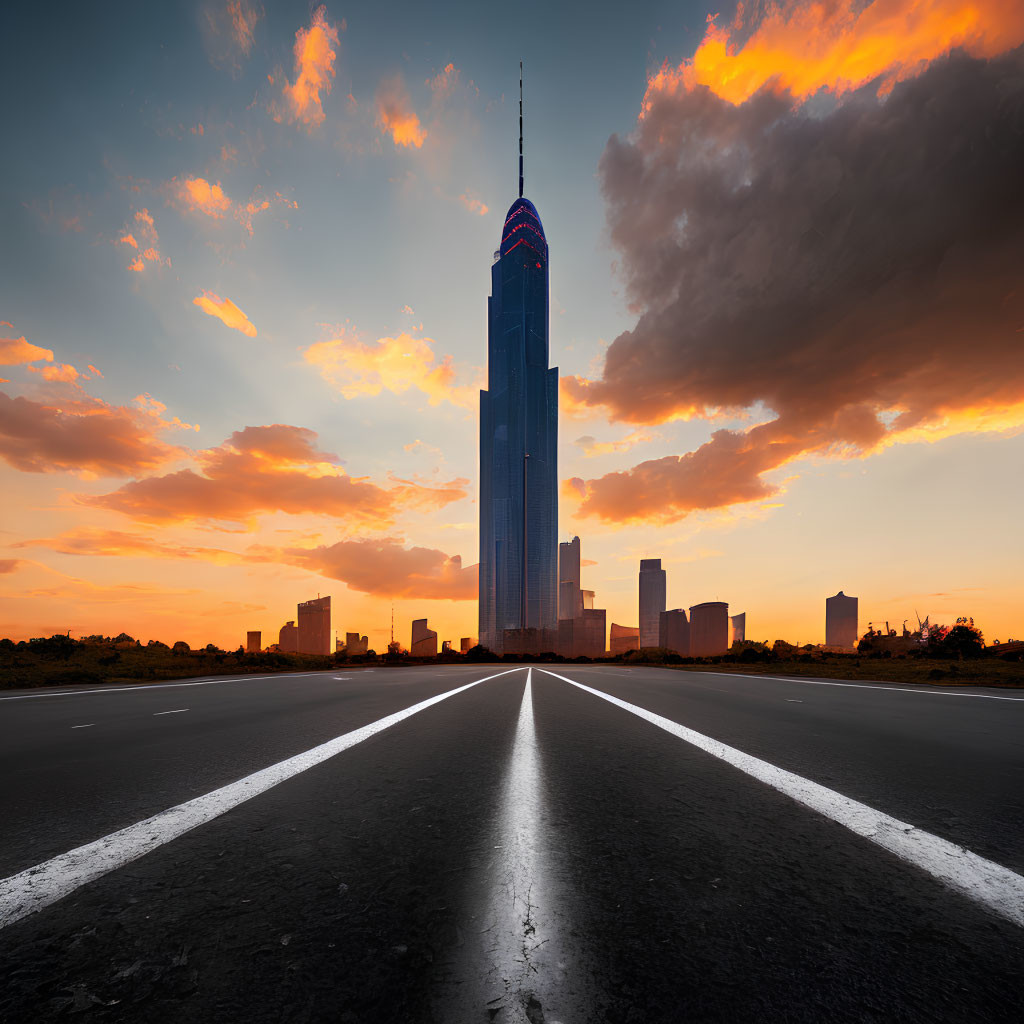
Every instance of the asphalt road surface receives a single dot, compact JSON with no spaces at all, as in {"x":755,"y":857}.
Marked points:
{"x":484,"y":844}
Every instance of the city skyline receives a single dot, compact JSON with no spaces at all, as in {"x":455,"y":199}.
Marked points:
{"x":243,"y":329}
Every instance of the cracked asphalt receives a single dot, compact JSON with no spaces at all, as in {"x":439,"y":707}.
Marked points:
{"x":511,"y":856}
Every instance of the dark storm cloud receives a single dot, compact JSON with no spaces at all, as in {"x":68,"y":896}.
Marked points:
{"x":832,"y":268}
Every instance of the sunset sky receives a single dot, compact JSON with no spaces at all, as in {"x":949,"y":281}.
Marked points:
{"x":244,"y":266}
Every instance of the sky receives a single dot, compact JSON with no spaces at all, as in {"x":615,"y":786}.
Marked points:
{"x":244,"y":265}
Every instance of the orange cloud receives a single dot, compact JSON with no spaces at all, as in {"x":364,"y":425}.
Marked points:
{"x":120,"y":544}
{"x":314,"y":70}
{"x":592,"y":447}
{"x":275,"y":468}
{"x":395,"y":116}
{"x":225,"y":311}
{"x":390,"y":364}
{"x":385,"y":568}
{"x":8,"y":565}
{"x":80,"y":436}
{"x":243,"y":21}
{"x":229,"y":31}
{"x":473,"y":205}
{"x":148,"y":249}
{"x":198,"y":194}
{"x":154,"y":409}
{"x":63,"y":373}
{"x":804,"y":47}
{"x":16,"y":351}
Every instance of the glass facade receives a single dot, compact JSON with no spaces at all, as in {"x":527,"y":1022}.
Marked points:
{"x":519,"y":443}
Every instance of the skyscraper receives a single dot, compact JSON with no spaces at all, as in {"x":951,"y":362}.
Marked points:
{"x":314,"y":630}
{"x":518,"y":440}
{"x":570,"y":597}
{"x":737,"y":628}
{"x":652,"y":600}
{"x":841,"y":621}
{"x":674,"y":631}
{"x":709,"y":629}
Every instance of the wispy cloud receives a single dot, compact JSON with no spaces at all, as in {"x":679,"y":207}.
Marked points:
{"x":145,"y":249}
{"x":395,"y":115}
{"x":399,"y":365}
{"x":473,"y":204}
{"x":314,"y":72}
{"x":225,"y":311}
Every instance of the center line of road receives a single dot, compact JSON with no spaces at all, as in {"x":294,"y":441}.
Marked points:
{"x":983,"y":881}
{"x":38,"y":887}
{"x":518,"y":912}
{"x":88,"y":725}
{"x":177,"y":711}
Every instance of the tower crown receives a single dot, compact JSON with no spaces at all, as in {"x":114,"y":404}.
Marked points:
{"x":523,"y":226}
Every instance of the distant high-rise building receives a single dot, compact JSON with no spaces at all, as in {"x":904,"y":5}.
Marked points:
{"x":674,"y":631}
{"x":709,"y":629}
{"x":315,"y":626}
{"x":519,"y":442}
{"x":570,"y":598}
{"x":591,"y":628}
{"x":737,"y":628}
{"x":356,"y":644}
{"x":253,"y":641}
{"x":288,"y":638}
{"x":652,"y":600}
{"x":841,"y":621}
{"x":424,"y":640}
{"x":465,"y":644}
{"x":623,"y":638}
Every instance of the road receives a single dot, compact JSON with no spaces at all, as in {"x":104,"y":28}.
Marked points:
{"x":558,"y":844}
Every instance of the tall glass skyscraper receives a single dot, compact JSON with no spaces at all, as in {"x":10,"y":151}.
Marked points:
{"x":519,"y":443}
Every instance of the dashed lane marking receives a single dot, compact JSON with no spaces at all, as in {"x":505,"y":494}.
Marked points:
{"x":981,"y":880}
{"x":88,"y":725}
{"x":38,"y":887}
{"x":177,"y":711}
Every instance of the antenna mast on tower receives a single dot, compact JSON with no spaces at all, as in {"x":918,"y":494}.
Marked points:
{"x":520,"y":129}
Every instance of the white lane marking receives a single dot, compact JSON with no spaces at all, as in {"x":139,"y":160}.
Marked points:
{"x":860,"y":686}
{"x":177,"y":711}
{"x":36,"y":888}
{"x":521,"y":941}
{"x":88,"y":725}
{"x":164,"y":686}
{"x":984,"y":881}
{"x":793,"y":700}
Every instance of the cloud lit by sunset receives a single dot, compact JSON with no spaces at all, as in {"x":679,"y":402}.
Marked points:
{"x":314,"y":69}
{"x":806,"y":46}
{"x":225,"y":311}
{"x":396,"y":117}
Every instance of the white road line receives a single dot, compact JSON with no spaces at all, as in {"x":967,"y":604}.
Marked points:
{"x":178,"y":711}
{"x":984,"y":881}
{"x":521,"y":944}
{"x":163,"y":686}
{"x":860,"y":686}
{"x":88,"y":725}
{"x":38,"y":887}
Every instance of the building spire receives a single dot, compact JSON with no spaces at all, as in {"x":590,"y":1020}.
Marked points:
{"x":520,"y":129}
